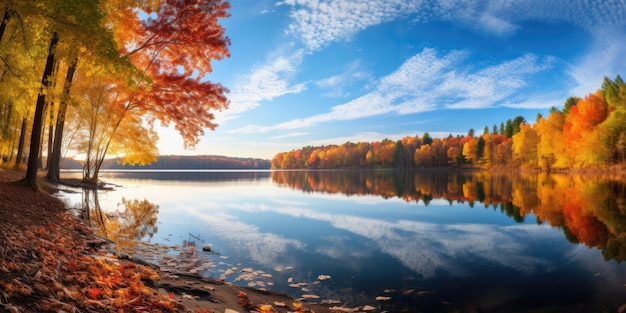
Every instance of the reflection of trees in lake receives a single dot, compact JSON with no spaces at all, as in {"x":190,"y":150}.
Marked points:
{"x":590,"y":210}
{"x":129,"y":223}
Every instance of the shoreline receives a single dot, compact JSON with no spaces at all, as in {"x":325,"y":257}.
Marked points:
{"x":50,"y":261}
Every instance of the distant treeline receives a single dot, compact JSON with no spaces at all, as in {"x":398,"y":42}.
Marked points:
{"x":588,"y":133}
{"x":183,"y":162}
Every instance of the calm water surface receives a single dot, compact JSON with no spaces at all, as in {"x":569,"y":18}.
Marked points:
{"x":431,"y":241}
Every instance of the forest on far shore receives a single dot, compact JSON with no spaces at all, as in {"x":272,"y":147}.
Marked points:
{"x":587,"y":133}
{"x":181,"y":162}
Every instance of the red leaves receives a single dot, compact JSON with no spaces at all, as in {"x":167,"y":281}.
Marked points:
{"x":94,"y":293}
{"x":584,"y":116}
{"x":53,"y":269}
{"x":123,"y":267}
{"x":174,"y":51}
{"x":245,"y":302}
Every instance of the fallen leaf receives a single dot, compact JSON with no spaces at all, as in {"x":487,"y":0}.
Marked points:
{"x":329,"y":301}
{"x":11,"y":308}
{"x":94,"y":293}
{"x":341,"y":309}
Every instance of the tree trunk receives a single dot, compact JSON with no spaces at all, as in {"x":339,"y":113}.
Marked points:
{"x":6,"y":129}
{"x":35,"y":140}
{"x":40,"y":155}
{"x":20,"y":146}
{"x":11,"y":148}
{"x":6,"y":132}
{"x":50,"y":135}
{"x":54,"y":160}
{"x":5,"y":20}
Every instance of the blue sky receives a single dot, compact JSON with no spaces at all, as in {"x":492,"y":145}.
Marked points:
{"x":317,"y":72}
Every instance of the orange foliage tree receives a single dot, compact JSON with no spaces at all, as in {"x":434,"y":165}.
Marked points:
{"x":173,"y":48}
{"x":580,"y":123}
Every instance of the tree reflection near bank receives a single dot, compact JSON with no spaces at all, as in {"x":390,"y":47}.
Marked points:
{"x":130,"y":222}
{"x":589,"y":209}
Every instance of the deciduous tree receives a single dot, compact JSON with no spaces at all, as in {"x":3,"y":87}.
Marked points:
{"x":174,"y":47}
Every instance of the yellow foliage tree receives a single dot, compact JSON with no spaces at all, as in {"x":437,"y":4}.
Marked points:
{"x":525,"y":145}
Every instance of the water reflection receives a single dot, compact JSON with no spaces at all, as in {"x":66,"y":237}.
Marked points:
{"x":191,"y":175}
{"x":590,"y":210}
{"x":485,"y":242}
{"x":132,"y":220}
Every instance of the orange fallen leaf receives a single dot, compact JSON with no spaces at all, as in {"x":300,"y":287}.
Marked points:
{"x":94,"y":293}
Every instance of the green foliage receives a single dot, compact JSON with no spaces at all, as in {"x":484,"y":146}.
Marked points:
{"x":426,"y":139}
{"x":569,"y":103}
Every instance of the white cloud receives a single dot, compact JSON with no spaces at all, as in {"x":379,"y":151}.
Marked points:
{"x":496,"y":26}
{"x":264,"y":83}
{"x":290,"y":135}
{"x":319,"y":22}
{"x":337,"y":83}
{"x":489,"y":86}
{"x":427,"y":82}
{"x":608,"y":58}
{"x":374,"y":136}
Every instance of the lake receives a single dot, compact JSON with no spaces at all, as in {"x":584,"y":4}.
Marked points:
{"x":431,"y":241}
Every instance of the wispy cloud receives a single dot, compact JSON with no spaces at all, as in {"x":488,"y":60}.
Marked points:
{"x":492,"y":84}
{"x":318,"y":23}
{"x":375,"y":136}
{"x":264,"y":83}
{"x":291,"y":135}
{"x":608,"y":58}
{"x":427,"y":82}
{"x":336,"y":84}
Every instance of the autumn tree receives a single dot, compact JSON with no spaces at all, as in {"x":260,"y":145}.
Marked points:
{"x":569,"y":103}
{"x":487,"y":151}
{"x":614,"y":127}
{"x":52,"y":22}
{"x":54,"y":158}
{"x":35,"y":141}
{"x":19,"y":72}
{"x":470,"y":150}
{"x":551,"y":146}
{"x":174,"y":47}
{"x":525,"y":145}
{"x":580,"y":124}
{"x":424,"y":156}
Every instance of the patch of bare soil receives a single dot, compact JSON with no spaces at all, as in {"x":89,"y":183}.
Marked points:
{"x":51,"y":262}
